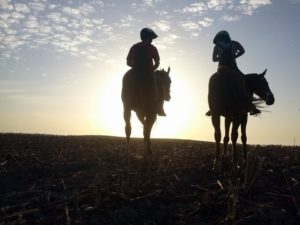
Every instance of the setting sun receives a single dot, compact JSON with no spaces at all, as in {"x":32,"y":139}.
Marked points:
{"x":109,"y":110}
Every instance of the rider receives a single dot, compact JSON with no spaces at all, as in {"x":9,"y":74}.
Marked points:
{"x":141,"y":57}
{"x":225,"y":52}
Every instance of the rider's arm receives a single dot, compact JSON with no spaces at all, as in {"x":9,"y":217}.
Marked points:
{"x":215,"y":55}
{"x":156,"y":59}
{"x":239,"y":49}
{"x":156,"y":64}
{"x":130,"y":58}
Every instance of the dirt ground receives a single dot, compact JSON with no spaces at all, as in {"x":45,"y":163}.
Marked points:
{"x":47,"y":179}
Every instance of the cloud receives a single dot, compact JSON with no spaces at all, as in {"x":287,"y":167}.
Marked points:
{"x":57,"y":17}
{"x":161,"y":12}
{"x":219,"y":4}
{"x":190,"y":25}
{"x":32,"y":22}
{"x":45,"y":29}
{"x":167,"y":41}
{"x":148,"y":3}
{"x":126,"y":21}
{"x":144,"y":5}
{"x":230,"y":18}
{"x":86,"y":9}
{"x":71,"y":11}
{"x":36,"y":23}
{"x":17,"y":16}
{"x":79,"y":27}
{"x":162,"y":25}
{"x":6,"y":5}
{"x":3,"y":24}
{"x":38,"y":6}
{"x":249,"y":6}
{"x":206,"y":22}
{"x":22,"y":8}
{"x":198,"y":7}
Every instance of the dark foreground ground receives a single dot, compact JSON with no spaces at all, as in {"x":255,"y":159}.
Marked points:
{"x":87,"y":180}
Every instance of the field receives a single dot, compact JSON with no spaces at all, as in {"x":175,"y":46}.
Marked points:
{"x":47,"y":179}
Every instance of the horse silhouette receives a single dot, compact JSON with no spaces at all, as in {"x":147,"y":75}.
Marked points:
{"x":140,"y":95}
{"x":223,"y":101}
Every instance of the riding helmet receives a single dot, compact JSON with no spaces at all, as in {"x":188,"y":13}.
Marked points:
{"x":147,"y":33}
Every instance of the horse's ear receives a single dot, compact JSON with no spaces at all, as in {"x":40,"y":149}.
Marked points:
{"x":169,"y":70}
{"x":264,"y":73}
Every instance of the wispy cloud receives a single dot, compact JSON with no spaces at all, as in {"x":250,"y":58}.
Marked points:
{"x":126,"y":21}
{"x":206,"y":22}
{"x":190,"y":25}
{"x":220,"y":4}
{"x":75,"y":28}
{"x":248,"y":7}
{"x":22,"y":8}
{"x":167,"y":41}
{"x":37,"y":6}
{"x":36,"y":23}
{"x":162,"y":25}
{"x":198,"y":7}
{"x":230,"y":18}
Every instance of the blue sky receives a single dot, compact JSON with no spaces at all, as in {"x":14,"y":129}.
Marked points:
{"x":61,"y":63}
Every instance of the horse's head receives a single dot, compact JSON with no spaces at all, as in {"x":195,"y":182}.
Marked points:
{"x":166,"y":82}
{"x":259,"y":86}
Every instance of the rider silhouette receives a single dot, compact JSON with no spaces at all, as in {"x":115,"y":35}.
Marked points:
{"x":225,"y":52}
{"x":141,"y":57}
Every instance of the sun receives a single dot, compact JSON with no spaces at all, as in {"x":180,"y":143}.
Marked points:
{"x":179,"y":111}
{"x":109,"y":110}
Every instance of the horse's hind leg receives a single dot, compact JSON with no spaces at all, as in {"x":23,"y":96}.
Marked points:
{"x":226,"y":135}
{"x":234,"y":136}
{"x":215,"y":119}
{"x":127,"y":116}
{"x":147,"y":133}
{"x":244,"y":121}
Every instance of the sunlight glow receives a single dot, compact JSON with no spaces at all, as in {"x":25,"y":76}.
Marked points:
{"x":109,"y":110}
{"x":179,"y":111}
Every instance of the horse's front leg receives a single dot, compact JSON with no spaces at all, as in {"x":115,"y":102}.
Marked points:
{"x":234,"y":136}
{"x":215,"y":119}
{"x":228,"y":121}
{"x":147,"y":134}
{"x":127,"y":116}
{"x":244,"y":121}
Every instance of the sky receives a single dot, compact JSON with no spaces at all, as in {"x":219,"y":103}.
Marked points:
{"x":62,"y":63}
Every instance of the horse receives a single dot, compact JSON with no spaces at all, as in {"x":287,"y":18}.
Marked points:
{"x":141,"y":96}
{"x":221,"y":100}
